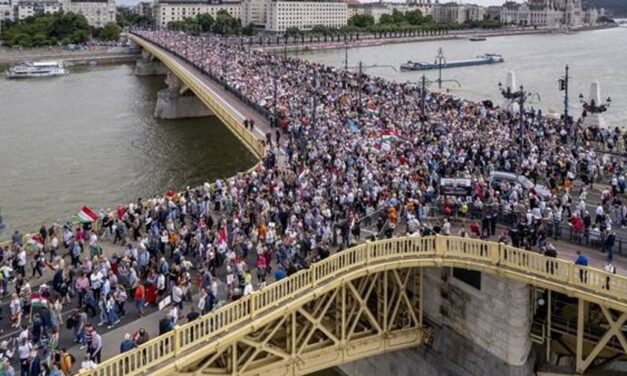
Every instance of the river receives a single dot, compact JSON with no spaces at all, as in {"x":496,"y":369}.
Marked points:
{"x":538,"y":61}
{"x":90,"y":138}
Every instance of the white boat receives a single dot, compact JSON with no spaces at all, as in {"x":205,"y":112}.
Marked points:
{"x":36,"y":69}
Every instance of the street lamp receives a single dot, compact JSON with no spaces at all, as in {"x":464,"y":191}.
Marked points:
{"x":521,"y":96}
{"x":362,"y":67}
{"x":423,"y":91}
{"x":440,"y":59}
{"x":275,"y":114}
{"x":592,"y":107}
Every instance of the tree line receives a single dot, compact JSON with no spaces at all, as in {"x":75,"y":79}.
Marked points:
{"x":55,"y":29}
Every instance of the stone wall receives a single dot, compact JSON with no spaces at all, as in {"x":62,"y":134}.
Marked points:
{"x":497,"y":318}
{"x":476,"y":332}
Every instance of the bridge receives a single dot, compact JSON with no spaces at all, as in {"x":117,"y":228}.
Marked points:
{"x":360,"y":302}
{"x":184,"y":78}
{"x":370,"y":299}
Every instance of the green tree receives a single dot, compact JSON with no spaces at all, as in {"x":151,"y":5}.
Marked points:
{"x":414,"y":17}
{"x":205,"y":21}
{"x":110,"y":32}
{"x":47,"y":29}
{"x":225,"y":24}
{"x":249,"y":30}
{"x":292,"y":31}
{"x":361,"y":20}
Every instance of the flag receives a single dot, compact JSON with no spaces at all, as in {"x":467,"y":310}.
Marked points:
{"x":223,"y":236}
{"x":389,"y":136}
{"x":353,"y":126}
{"x":35,"y":242}
{"x":302,"y":178}
{"x":86,"y":215}
{"x":38,"y":300}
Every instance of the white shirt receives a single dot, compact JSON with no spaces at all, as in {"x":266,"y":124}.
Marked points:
{"x":24,"y":350}
{"x":88,"y":364}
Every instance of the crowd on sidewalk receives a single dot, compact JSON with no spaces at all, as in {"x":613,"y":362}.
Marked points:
{"x":360,"y":151}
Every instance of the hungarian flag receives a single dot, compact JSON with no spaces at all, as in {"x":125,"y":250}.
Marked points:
{"x":87,"y":215}
{"x":35,"y":242}
{"x":389,"y":136}
{"x":223,"y":236}
{"x":38,"y":301}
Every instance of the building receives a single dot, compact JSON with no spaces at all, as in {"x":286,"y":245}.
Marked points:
{"x":458,"y":13}
{"x":6,"y":10}
{"x":31,"y":8}
{"x":143,"y":8}
{"x":376,"y":10}
{"x":305,"y":15}
{"x":548,"y":13}
{"x":166,"y":11}
{"x":493,"y":12}
{"x":254,"y":11}
{"x":97,"y":12}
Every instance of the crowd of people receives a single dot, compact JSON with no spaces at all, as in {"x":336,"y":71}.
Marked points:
{"x":350,"y":152}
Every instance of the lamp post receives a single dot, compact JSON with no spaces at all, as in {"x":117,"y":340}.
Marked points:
{"x":592,"y":107}
{"x":521,"y":97}
{"x":361,"y":68}
{"x":224,"y":51}
{"x":440,"y":59}
{"x":276,"y":96}
{"x":346,"y":55}
{"x":563,"y":86}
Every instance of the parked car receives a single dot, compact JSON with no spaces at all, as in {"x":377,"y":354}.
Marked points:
{"x":496,"y":177}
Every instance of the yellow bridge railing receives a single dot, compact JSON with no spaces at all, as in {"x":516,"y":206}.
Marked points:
{"x":535,"y":269}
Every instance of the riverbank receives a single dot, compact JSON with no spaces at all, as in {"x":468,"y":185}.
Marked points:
{"x":89,"y":56}
{"x":370,"y":41}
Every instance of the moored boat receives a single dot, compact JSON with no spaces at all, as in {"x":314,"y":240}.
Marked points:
{"x":479,"y":60}
{"x":36,"y":69}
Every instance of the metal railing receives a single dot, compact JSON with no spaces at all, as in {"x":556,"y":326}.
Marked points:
{"x":529,"y":267}
{"x":558,"y":230}
{"x":231,"y":120}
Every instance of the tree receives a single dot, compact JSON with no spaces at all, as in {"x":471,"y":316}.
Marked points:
{"x":110,"y":32}
{"x":205,"y":21}
{"x":361,"y":20}
{"x":249,"y":30}
{"x":414,"y":17}
{"x":225,"y":24}
{"x":47,"y":29}
{"x":292,"y":31}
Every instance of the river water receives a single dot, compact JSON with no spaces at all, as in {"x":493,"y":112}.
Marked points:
{"x":90,"y":138}
{"x":538,"y":61}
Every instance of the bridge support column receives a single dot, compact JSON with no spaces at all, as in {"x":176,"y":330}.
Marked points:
{"x":147,"y":65}
{"x":178,"y":102}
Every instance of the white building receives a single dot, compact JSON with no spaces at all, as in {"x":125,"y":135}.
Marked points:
{"x":548,"y":13}
{"x":254,"y":11}
{"x":458,"y":13}
{"x":304,"y":15}
{"x":25,"y":9}
{"x":143,"y":8}
{"x":97,"y":12}
{"x":166,"y":11}
{"x":6,"y":10}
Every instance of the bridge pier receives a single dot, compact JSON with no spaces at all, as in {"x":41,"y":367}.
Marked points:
{"x":476,"y":332}
{"x":147,"y":65}
{"x":178,"y":102}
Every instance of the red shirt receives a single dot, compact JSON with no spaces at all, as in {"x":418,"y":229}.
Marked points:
{"x":140,"y":292}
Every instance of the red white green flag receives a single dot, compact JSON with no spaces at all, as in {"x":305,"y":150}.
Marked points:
{"x":87,"y":215}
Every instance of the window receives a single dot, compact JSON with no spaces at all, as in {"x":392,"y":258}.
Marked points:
{"x":469,"y":277}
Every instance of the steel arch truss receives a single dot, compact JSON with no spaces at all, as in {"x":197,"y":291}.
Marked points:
{"x":372,"y":314}
{"x":613,"y":341}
